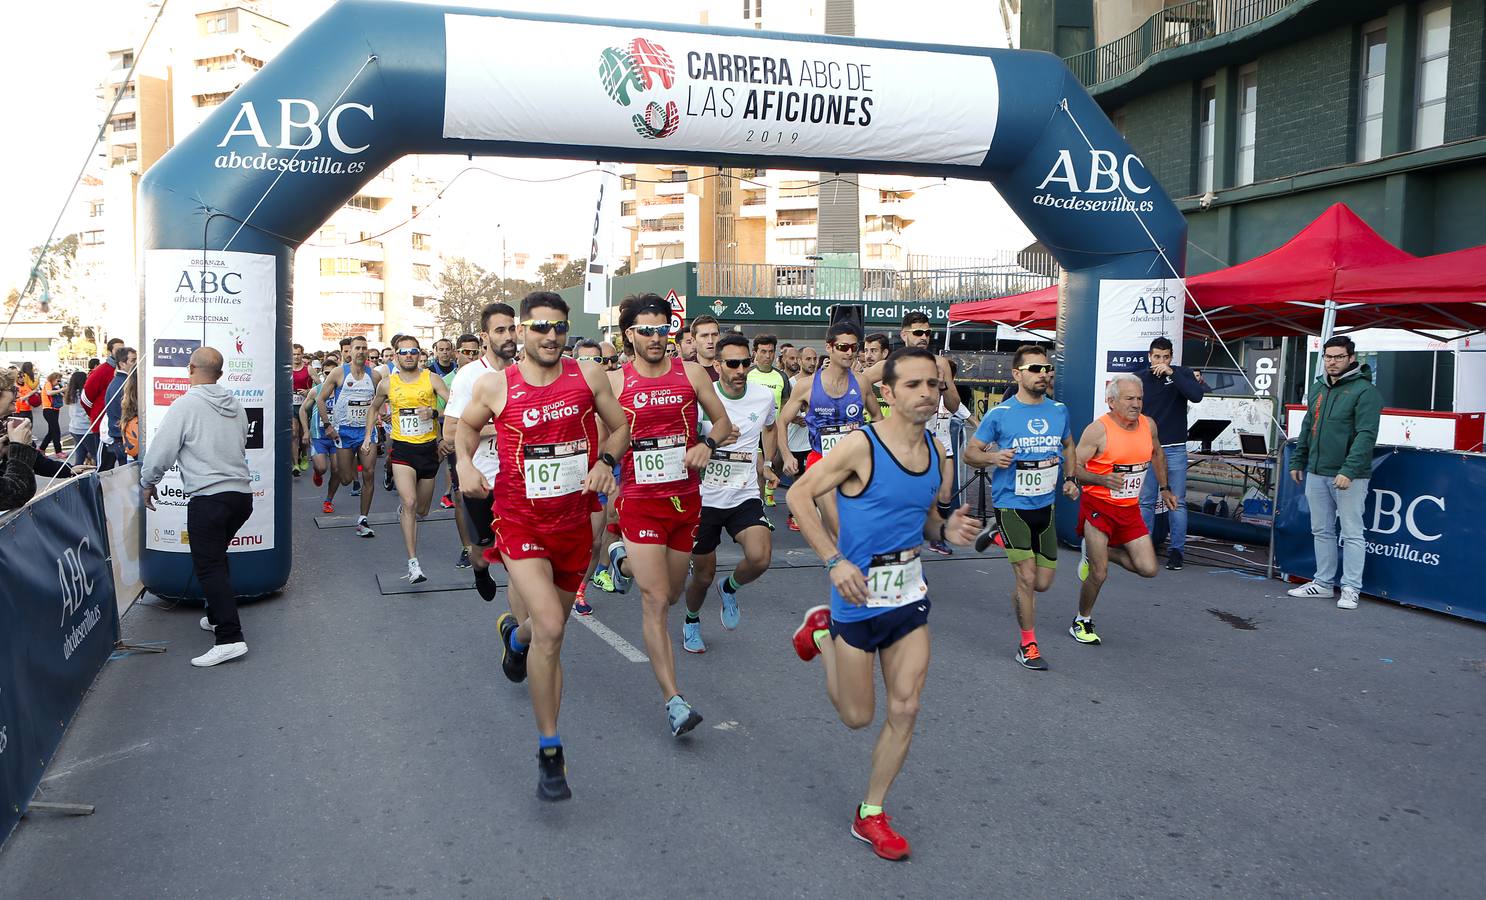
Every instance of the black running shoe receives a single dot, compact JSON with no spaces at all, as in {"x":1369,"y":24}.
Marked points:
{"x":552,"y":775}
{"x":1174,"y":560}
{"x":485,"y":584}
{"x":511,"y":662}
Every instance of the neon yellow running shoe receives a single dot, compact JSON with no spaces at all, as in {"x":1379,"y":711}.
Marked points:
{"x":1083,"y":632}
{"x":603,"y":580}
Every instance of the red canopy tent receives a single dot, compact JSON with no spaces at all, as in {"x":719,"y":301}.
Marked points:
{"x":1335,"y":258}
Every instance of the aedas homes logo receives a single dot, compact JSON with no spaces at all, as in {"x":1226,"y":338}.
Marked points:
{"x":630,"y":71}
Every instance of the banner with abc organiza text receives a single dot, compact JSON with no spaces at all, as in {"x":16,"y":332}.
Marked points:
{"x":58,"y":624}
{"x":226,"y":300}
{"x":1132,"y":313}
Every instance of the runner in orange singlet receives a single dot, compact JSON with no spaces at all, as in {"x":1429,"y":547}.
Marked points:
{"x":1115,"y":456}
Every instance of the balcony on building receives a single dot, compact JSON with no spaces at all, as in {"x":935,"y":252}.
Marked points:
{"x":1172,"y":28}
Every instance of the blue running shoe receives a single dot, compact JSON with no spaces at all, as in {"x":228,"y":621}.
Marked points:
{"x":356,"y":487}
{"x":691,"y":637}
{"x":621,"y":581}
{"x":730,"y":612}
{"x":681,"y":716}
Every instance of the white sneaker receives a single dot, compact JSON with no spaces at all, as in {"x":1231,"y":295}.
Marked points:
{"x":415,"y":572}
{"x":1311,"y":589}
{"x":1348,"y":599}
{"x":220,"y":654}
{"x":206,"y":625}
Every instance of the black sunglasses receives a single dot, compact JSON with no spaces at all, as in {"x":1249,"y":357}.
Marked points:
{"x":845,"y":348}
{"x":546,"y":326}
{"x":652,"y":330}
{"x":734,"y":363}
{"x":921,"y":332}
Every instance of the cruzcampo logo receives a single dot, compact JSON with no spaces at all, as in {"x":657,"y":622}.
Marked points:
{"x":628,"y":72}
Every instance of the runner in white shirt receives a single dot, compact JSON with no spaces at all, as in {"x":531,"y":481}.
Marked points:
{"x":730,"y":498}
{"x":498,"y":327}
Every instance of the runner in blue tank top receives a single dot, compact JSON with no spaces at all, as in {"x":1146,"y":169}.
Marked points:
{"x":834,"y":406}
{"x":885,"y":480}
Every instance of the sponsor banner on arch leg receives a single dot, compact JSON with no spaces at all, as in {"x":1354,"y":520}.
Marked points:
{"x":1132,"y":313}
{"x":1419,"y":524}
{"x":226,"y":300}
{"x":58,"y":624}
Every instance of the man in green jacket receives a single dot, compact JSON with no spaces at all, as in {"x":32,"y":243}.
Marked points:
{"x":1333,"y":459}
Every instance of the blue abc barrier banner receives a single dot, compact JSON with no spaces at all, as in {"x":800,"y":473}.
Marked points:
{"x":1420,"y":525}
{"x":58,"y":624}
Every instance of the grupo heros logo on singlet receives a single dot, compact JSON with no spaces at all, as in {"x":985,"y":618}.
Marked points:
{"x":627,"y":87}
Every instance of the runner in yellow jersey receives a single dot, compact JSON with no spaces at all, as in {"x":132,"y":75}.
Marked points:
{"x":411,"y":394}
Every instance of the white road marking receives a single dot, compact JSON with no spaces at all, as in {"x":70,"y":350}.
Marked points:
{"x":611,"y":637}
{"x":100,"y":760}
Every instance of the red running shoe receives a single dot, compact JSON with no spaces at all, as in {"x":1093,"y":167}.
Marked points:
{"x":816,"y":618}
{"x":317,"y":478}
{"x":328,"y":508}
{"x":445,"y":502}
{"x":793,"y":525}
{"x":878,"y":831}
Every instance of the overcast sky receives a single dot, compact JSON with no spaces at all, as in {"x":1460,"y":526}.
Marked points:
{"x":53,"y":54}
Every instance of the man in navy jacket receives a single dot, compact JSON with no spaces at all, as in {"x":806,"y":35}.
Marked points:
{"x":1168,"y":390}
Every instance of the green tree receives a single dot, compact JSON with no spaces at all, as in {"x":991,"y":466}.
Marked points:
{"x":555,"y":277}
{"x":466,"y":287}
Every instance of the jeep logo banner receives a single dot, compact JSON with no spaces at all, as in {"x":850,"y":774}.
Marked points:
{"x":374,"y":80}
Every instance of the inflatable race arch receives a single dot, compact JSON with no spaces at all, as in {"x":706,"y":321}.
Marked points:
{"x":371,"y":81}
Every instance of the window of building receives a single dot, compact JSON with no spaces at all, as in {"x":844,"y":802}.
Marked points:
{"x":626,"y":182}
{"x":420,"y":271}
{"x":678,"y":175}
{"x":1207,"y":120}
{"x":214,"y":24}
{"x":204,"y":101}
{"x":798,"y":246}
{"x":363,"y":202}
{"x":1373,"y":73}
{"x":627,"y":207}
{"x":95,"y":209}
{"x":91,"y":238}
{"x":1434,"y":65}
{"x":346,"y":266}
{"x":1248,"y":118}
{"x":124,"y":123}
{"x":420,"y":302}
{"x":421,"y":241}
{"x":125,"y":91}
{"x":126,"y":59}
{"x":787,"y":217}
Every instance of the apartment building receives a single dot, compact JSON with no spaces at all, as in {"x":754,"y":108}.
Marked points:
{"x":344,"y":275}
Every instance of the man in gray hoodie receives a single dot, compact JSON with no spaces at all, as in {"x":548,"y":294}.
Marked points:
{"x":205,"y":433}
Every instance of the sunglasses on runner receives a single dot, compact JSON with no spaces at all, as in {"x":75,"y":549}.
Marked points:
{"x":1037,"y":368}
{"x":470,"y":351}
{"x":652,"y":330}
{"x":921,"y":332}
{"x":735,"y":363}
{"x":602,"y":360}
{"x":546,"y":326}
{"x":845,"y":348}
{"x":409,"y":351}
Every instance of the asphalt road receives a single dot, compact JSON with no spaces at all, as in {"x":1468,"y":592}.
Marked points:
{"x":1223,"y":739}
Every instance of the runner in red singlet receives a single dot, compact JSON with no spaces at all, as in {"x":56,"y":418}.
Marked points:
{"x":551,"y":470}
{"x":302,"y":378}
{"x":660,"y":501}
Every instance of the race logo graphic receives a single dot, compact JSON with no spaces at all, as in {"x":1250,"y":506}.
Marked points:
{"x":1037,"y":426}
{"x":627,"y":72}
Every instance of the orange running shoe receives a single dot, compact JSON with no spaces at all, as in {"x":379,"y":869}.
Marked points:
{"x":327,"y":508}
